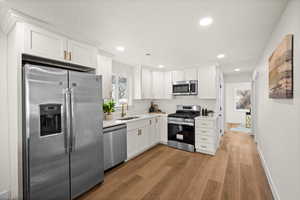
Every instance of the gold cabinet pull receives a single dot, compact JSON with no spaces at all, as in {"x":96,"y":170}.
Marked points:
{"x":65,"y":54}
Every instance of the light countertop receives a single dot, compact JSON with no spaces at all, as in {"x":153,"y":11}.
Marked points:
{"x":206,"y":118}
{"x":114,"y":122}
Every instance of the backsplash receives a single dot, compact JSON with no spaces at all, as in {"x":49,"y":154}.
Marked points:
{"x":166,"y":105}
{"x":169,"y":105}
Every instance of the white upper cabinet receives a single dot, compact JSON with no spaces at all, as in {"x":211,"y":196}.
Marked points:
{"x":43,"y":43}
{"x":40,"y":42}
{"x":161,"y":85}
{"x":104,"y":68}
{"x":190,"y":74}
{"x":207,"y":82}
{"x":185,"y":75}
{"x":137,"y":82}
{"x":158,"y":84}
{"x":146,"y":83}
{"x":82,"y":54}
{"x":178,"y":76}
{"x":167,"y":85}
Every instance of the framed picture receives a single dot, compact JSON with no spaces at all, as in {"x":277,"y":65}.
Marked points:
{"x":281,"y":70}
{"x":242,"y":99}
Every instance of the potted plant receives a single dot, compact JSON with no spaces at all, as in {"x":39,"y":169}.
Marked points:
{"x":108,"y":108}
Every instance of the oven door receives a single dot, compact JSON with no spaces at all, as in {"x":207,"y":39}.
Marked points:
{"x":181,"y":136}
{"x":181,"y":88}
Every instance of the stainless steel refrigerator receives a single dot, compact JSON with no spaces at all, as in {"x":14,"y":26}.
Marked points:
{"x":63,"y":144}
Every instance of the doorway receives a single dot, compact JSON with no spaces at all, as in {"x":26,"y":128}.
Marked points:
{"x":238,"y":96}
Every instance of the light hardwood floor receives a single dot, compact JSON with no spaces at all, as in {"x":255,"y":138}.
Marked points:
{"x":164,"y":173}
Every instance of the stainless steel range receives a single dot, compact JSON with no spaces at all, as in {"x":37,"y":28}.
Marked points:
{"x":181,"y":127}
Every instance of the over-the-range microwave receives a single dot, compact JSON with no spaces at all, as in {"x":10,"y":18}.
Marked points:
{"x":185,"y":88}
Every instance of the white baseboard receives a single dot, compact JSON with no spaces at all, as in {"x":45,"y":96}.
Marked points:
{"x":268,"y":173}
{"x":4,"y":195}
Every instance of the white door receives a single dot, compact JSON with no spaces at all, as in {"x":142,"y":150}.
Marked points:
{"x":40,"y":42}
{"x":146,"y":84}
{"x":104,"y":68}
{"x":82,"y":54}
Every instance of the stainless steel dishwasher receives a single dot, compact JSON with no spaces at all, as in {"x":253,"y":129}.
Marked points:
{"x":115,"y":145}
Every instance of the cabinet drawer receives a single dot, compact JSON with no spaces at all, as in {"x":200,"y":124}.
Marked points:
{"x":204,"y":131}
{"x":205,"y":124}
{"x":206,"y":147}
{"x":205,"y":139}
{"x":137,"y":124}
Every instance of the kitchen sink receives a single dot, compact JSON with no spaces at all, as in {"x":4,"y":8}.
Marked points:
{"x":128,"y":118}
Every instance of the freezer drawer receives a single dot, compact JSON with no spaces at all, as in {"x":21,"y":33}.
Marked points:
{"x":115,"y":145}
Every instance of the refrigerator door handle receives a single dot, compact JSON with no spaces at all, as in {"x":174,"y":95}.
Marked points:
{"x":67,"y":119}
{"x":72,"y":119}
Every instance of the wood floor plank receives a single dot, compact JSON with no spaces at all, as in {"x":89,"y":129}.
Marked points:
{"x":163,"y":173}
{"x":231,"y":186}
{"x":212,"y":190}
{"x":247,"y":184}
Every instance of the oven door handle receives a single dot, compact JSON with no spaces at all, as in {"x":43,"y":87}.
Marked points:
{"x":181,"y":123}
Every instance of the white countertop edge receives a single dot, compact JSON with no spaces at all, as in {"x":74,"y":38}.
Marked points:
{"x":206,"y":118}
{"x":115,"y":122}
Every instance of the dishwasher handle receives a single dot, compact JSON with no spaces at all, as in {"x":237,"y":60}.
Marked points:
{"x":114,"y":128}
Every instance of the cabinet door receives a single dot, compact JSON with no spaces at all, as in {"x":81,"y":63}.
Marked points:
{"x":190,"y":74}
{"x":132,"y":143}
{"x":167,"y":86}
{"x":143,"y":141}
{"x":158,"y":84}
{"x":164,"y":130}
{"x":146,"y":84}
{"x":104,"y":68}
{"x":178,"y":75}
{"x":82,"y":54}
{"x":137,"y":82}
{"x":207,"y":82}
{"x":40,"y":42}
{"x":158,"y":124}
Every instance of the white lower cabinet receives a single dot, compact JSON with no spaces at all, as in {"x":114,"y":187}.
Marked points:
{"x":132,"y":139}
{"x":164,"y":129}
{"x":207,"y":137}
{"x":143,"y":134}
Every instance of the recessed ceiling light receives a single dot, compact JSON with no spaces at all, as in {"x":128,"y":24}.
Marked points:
{"x":206,"y":21}
{"x":120,"y":48}
{"x":237,"y":69}
{"x":220,"y":56}
{"x":161,"y":66}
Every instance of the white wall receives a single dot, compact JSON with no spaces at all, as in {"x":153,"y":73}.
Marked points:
{"x":4,"y":142}
{"x":233,"y":81}
{"x":278,"y":127}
